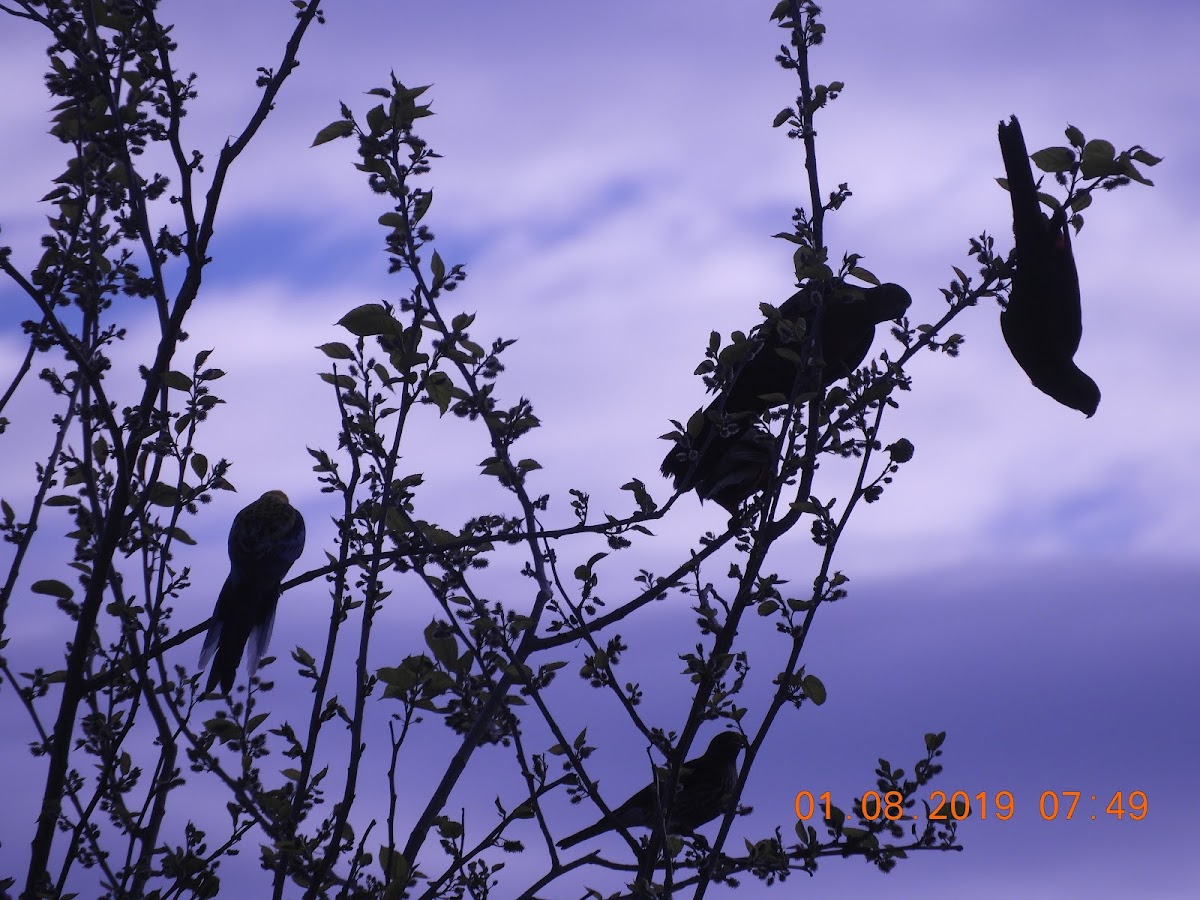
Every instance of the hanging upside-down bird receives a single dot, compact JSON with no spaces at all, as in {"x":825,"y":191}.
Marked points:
{"x":778,"y":367}
{"x":1042,"y":322}
{"x":705,"y":790}
{"x":265,"y":539}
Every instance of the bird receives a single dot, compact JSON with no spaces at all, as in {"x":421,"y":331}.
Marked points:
{"x":741,"y":471}
{"x":706,"y":788}
{"x":1043,"y":321}
{"x":776,"y":368}
{"x":266,"y":538}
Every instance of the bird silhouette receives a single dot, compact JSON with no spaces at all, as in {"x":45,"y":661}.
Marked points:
{"x":1043,"y":321}
{"x":266,"y":538}
{"x":741,"y":471}
{"x":705,"y":789}
{"x":779,"y":366}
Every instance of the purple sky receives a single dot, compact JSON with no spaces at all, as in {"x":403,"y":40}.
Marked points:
{"x":611,"y":181}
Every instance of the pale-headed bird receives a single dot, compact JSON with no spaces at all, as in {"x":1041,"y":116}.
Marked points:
{"x":266,"y":538}
{"x":705,"y":790}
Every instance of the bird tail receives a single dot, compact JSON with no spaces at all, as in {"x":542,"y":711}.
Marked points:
{"x":590,"y":832}
{"x":211,"y":641}
{"x":227,"y":636}
{"x":260,"y":636}
{"x":222,"y":671}
{"x":1027,"y":211}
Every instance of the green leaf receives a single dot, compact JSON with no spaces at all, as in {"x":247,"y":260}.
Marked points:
{"x":1049,"y":200}
{"x":439,"y":388}
{"x":336,"y":350}
{"x":1129,"y":169}
{"x":1081,"y":201}
{"x":377,"y":120}
{"x":447,"y":827}
{"x":52,"y":588}
{"x":180,"y":535}
{"x":199,"y":463}
{"x":441,"y":641}
{"x":1098,"y":160}
{"x":402,"y":678}
{"x":864,"y":275}
{"x":159,"y":494}
{"x":414,"y":93}
{"x":369,"y":319}
{"x":422,"y":206}
{"x":814,"y":689}
{"x":782,"y":116}
{"x":394,"y":866}
{"x":340,"y":129}
{"x":438,"y":267}
{"x":343,"y":382}
{"x":177,"y":381}
{"x":222,"y":729}
{"x":1054,"y":159}
{"x":302,"y":656}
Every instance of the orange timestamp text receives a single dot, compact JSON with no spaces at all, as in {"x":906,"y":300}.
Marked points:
{"x":958,"y":806}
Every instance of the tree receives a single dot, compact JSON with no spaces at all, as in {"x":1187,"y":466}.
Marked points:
{"x":130,"y":468}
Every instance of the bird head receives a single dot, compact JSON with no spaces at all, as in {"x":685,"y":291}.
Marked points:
{"x":726,"y":745}
{"x":1075,"y":389}
{"x":891,"y":301}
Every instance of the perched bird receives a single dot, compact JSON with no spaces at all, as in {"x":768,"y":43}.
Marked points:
{"x":705,"y":791}
{"x":265,"y":539}
{"x":778,"y":365}
{"x":741,"y":471}
{"x":1042,"y":322}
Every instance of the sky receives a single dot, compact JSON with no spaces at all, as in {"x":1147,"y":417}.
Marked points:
{"x":611,"y":181}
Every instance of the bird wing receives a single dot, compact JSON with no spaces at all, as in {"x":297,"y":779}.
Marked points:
{"x":265,"y":539}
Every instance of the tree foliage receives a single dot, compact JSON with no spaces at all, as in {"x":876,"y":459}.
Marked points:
{"x":117,"y":816}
